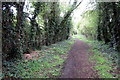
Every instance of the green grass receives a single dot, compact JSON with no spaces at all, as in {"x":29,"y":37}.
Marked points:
{"x":102,"y":65}
{"x":49,"y":62}
{"x":104,"y":57}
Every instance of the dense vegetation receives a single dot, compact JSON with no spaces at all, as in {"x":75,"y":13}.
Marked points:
{"x":47,"y":27}
{"x":108,"y":27}
{"x":102,"y":24}
{"x":48,"y":63}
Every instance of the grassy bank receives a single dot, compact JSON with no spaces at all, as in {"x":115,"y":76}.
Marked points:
{"x":49,"y":62}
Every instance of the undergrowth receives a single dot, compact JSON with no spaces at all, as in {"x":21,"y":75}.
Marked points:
{"x":48,"y":63}
{"x":106,"y":58}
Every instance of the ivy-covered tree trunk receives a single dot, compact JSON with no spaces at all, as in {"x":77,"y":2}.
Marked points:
{"x":116,"y":27}
{"x":105,"y":24}
{"x":34,"y":37}
{"x":45,"y":17}
{"x":109,"y":24}
{"x":19,"y":30}
{"x":8,"y":31}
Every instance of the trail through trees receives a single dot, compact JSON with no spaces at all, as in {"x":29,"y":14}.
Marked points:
{"x":77,"y":64}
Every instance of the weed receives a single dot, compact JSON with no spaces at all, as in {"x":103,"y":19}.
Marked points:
{"x":48,"y":64}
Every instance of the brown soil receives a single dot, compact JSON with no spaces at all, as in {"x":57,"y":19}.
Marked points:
{"x":78,"y":65}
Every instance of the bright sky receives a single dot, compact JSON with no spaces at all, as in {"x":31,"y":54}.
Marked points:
{"x":84,"y":6}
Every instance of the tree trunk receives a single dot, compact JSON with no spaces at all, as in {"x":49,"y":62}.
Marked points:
{"x":19,"y":29}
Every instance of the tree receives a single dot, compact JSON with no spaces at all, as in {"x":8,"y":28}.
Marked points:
{"x":108,"y":26}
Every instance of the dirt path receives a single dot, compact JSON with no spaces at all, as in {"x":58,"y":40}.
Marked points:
{"x":77,"y":64}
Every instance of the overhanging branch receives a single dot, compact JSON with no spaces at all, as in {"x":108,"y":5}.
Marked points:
{"x":69,"y":13}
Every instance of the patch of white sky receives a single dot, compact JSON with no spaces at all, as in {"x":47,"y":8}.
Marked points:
{"x":14,"y":10}
{"x":82,"y":8}
{"x":27,"y":8}
{"x":66,"y":4}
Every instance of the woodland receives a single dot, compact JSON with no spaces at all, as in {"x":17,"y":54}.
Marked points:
{"x":36,"y":37}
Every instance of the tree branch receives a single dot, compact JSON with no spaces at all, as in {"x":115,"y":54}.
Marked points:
{"x":69,"y":13}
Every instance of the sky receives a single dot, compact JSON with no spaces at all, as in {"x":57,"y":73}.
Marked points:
{"x":76,"y":15}
{"x":84,"y":6}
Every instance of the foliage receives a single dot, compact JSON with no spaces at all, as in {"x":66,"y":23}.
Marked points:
{"x":48,"y":63}
{"x":23,"y":32}
{"x":12,"y":31}
{"x":103,"y":65}
{"x":101,"y":23}
{"x":33,"y":29}
{"x":88,"y":24}
{"x":108,"y":30}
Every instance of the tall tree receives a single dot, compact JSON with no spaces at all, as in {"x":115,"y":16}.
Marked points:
{"x":19,"y":29}
{"x":108,"y":26}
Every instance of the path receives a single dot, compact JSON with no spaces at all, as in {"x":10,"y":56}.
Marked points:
{"x":77,"y":64}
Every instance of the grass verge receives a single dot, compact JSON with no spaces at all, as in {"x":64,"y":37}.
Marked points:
{"x":48,"y":63}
